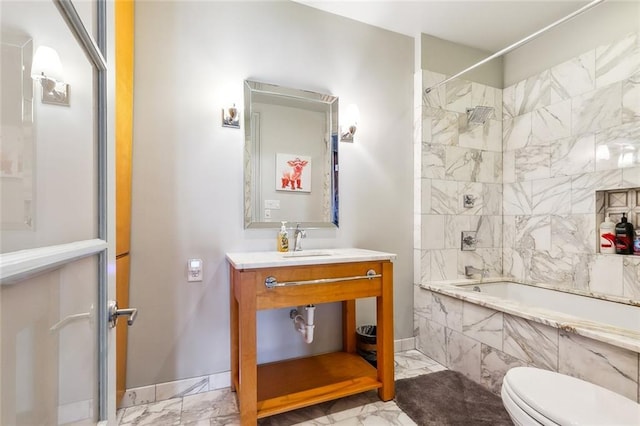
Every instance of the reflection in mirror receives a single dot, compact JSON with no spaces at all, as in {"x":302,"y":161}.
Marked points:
{"x":48,"y":153}
{"x":16,"y":132}
{"x":291,"y":157}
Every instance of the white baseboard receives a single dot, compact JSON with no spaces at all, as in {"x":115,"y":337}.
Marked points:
{"x":175,"y":389}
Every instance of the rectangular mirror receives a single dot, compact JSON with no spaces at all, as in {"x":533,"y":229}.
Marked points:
{"x":290,"y":157}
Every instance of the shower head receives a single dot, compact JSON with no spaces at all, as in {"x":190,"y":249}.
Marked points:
{"x":479,"y":114}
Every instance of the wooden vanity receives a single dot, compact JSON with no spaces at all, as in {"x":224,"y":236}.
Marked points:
{"x":272,"y":280}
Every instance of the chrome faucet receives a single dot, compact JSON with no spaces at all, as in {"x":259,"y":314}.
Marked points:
{"x":470,"y":270}
{"x":298,"y":235}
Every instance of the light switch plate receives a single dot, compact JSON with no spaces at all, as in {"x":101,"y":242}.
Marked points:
{"x":194,"y":270}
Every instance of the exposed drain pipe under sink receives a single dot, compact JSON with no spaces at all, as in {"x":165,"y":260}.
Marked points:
{"x":305,"y":327}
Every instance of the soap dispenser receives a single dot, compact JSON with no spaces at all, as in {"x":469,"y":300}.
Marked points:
{"x":624,"y":236}
{"x":283,"y":238}
{"x":607,"y":236}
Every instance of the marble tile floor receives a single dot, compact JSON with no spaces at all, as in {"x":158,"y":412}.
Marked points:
{"x":218,"y":408}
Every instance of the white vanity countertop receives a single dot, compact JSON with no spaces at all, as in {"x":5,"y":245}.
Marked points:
{"x":270,"y":259}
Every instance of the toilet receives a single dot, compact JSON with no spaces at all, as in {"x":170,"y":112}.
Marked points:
{"x":533,"y":396}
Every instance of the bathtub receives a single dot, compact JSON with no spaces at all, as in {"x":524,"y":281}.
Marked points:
{"x":482,"y":329}
{"x":610,"y":320}
{"x":607,"y":320}
{"x":594,"y":310}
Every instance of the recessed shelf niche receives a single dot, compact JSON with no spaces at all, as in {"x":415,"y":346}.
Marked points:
{"x":614,"y":202}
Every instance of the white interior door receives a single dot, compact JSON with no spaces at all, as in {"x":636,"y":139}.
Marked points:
{"x":57,"y":263}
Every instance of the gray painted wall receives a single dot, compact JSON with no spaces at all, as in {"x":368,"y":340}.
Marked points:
{"x":191,"y":60}
{"x":450,"y":58}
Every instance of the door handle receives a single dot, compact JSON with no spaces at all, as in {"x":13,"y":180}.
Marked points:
{"x":114,"y":313}
{"x":71,"y":318}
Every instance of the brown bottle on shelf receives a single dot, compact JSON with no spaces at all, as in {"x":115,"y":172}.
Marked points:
{"x":624,"y":236}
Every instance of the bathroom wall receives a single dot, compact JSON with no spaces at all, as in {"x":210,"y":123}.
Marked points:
{"x":191,"y":61}
{"x":456,"y":158}
{"x":556,"y":125}
{"x":609,"y":21}
{"x":553,"y":123}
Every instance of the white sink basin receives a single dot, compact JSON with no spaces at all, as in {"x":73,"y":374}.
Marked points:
{"x":309,"y":253}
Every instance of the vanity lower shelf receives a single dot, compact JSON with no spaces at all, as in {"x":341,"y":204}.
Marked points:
{"x":292,"y":384}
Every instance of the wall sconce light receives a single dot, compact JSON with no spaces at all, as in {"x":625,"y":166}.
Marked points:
{"x":351,"y":118}
{"x":47,"y":69}
{"x":230,"y":117}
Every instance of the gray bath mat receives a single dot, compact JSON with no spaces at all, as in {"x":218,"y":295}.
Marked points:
{"x":449,"y":398}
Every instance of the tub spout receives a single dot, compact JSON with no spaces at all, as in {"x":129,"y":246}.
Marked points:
{"x":470,"y":270}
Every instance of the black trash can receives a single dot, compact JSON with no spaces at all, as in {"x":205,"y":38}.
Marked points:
{"x":366,"y":343}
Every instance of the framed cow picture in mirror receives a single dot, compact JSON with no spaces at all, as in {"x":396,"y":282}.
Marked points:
{"x":293,"y":173}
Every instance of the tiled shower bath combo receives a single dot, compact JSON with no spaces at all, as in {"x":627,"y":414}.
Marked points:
{"x":538,"y":169}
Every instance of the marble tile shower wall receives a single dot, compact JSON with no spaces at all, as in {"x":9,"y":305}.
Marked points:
{"x":456,"y":158}
{"x":567,"y":132}
{"x":536,"y":220}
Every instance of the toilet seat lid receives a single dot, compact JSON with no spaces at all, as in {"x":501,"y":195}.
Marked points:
{"x":518,"y":408}
{"x":567,"y":400}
